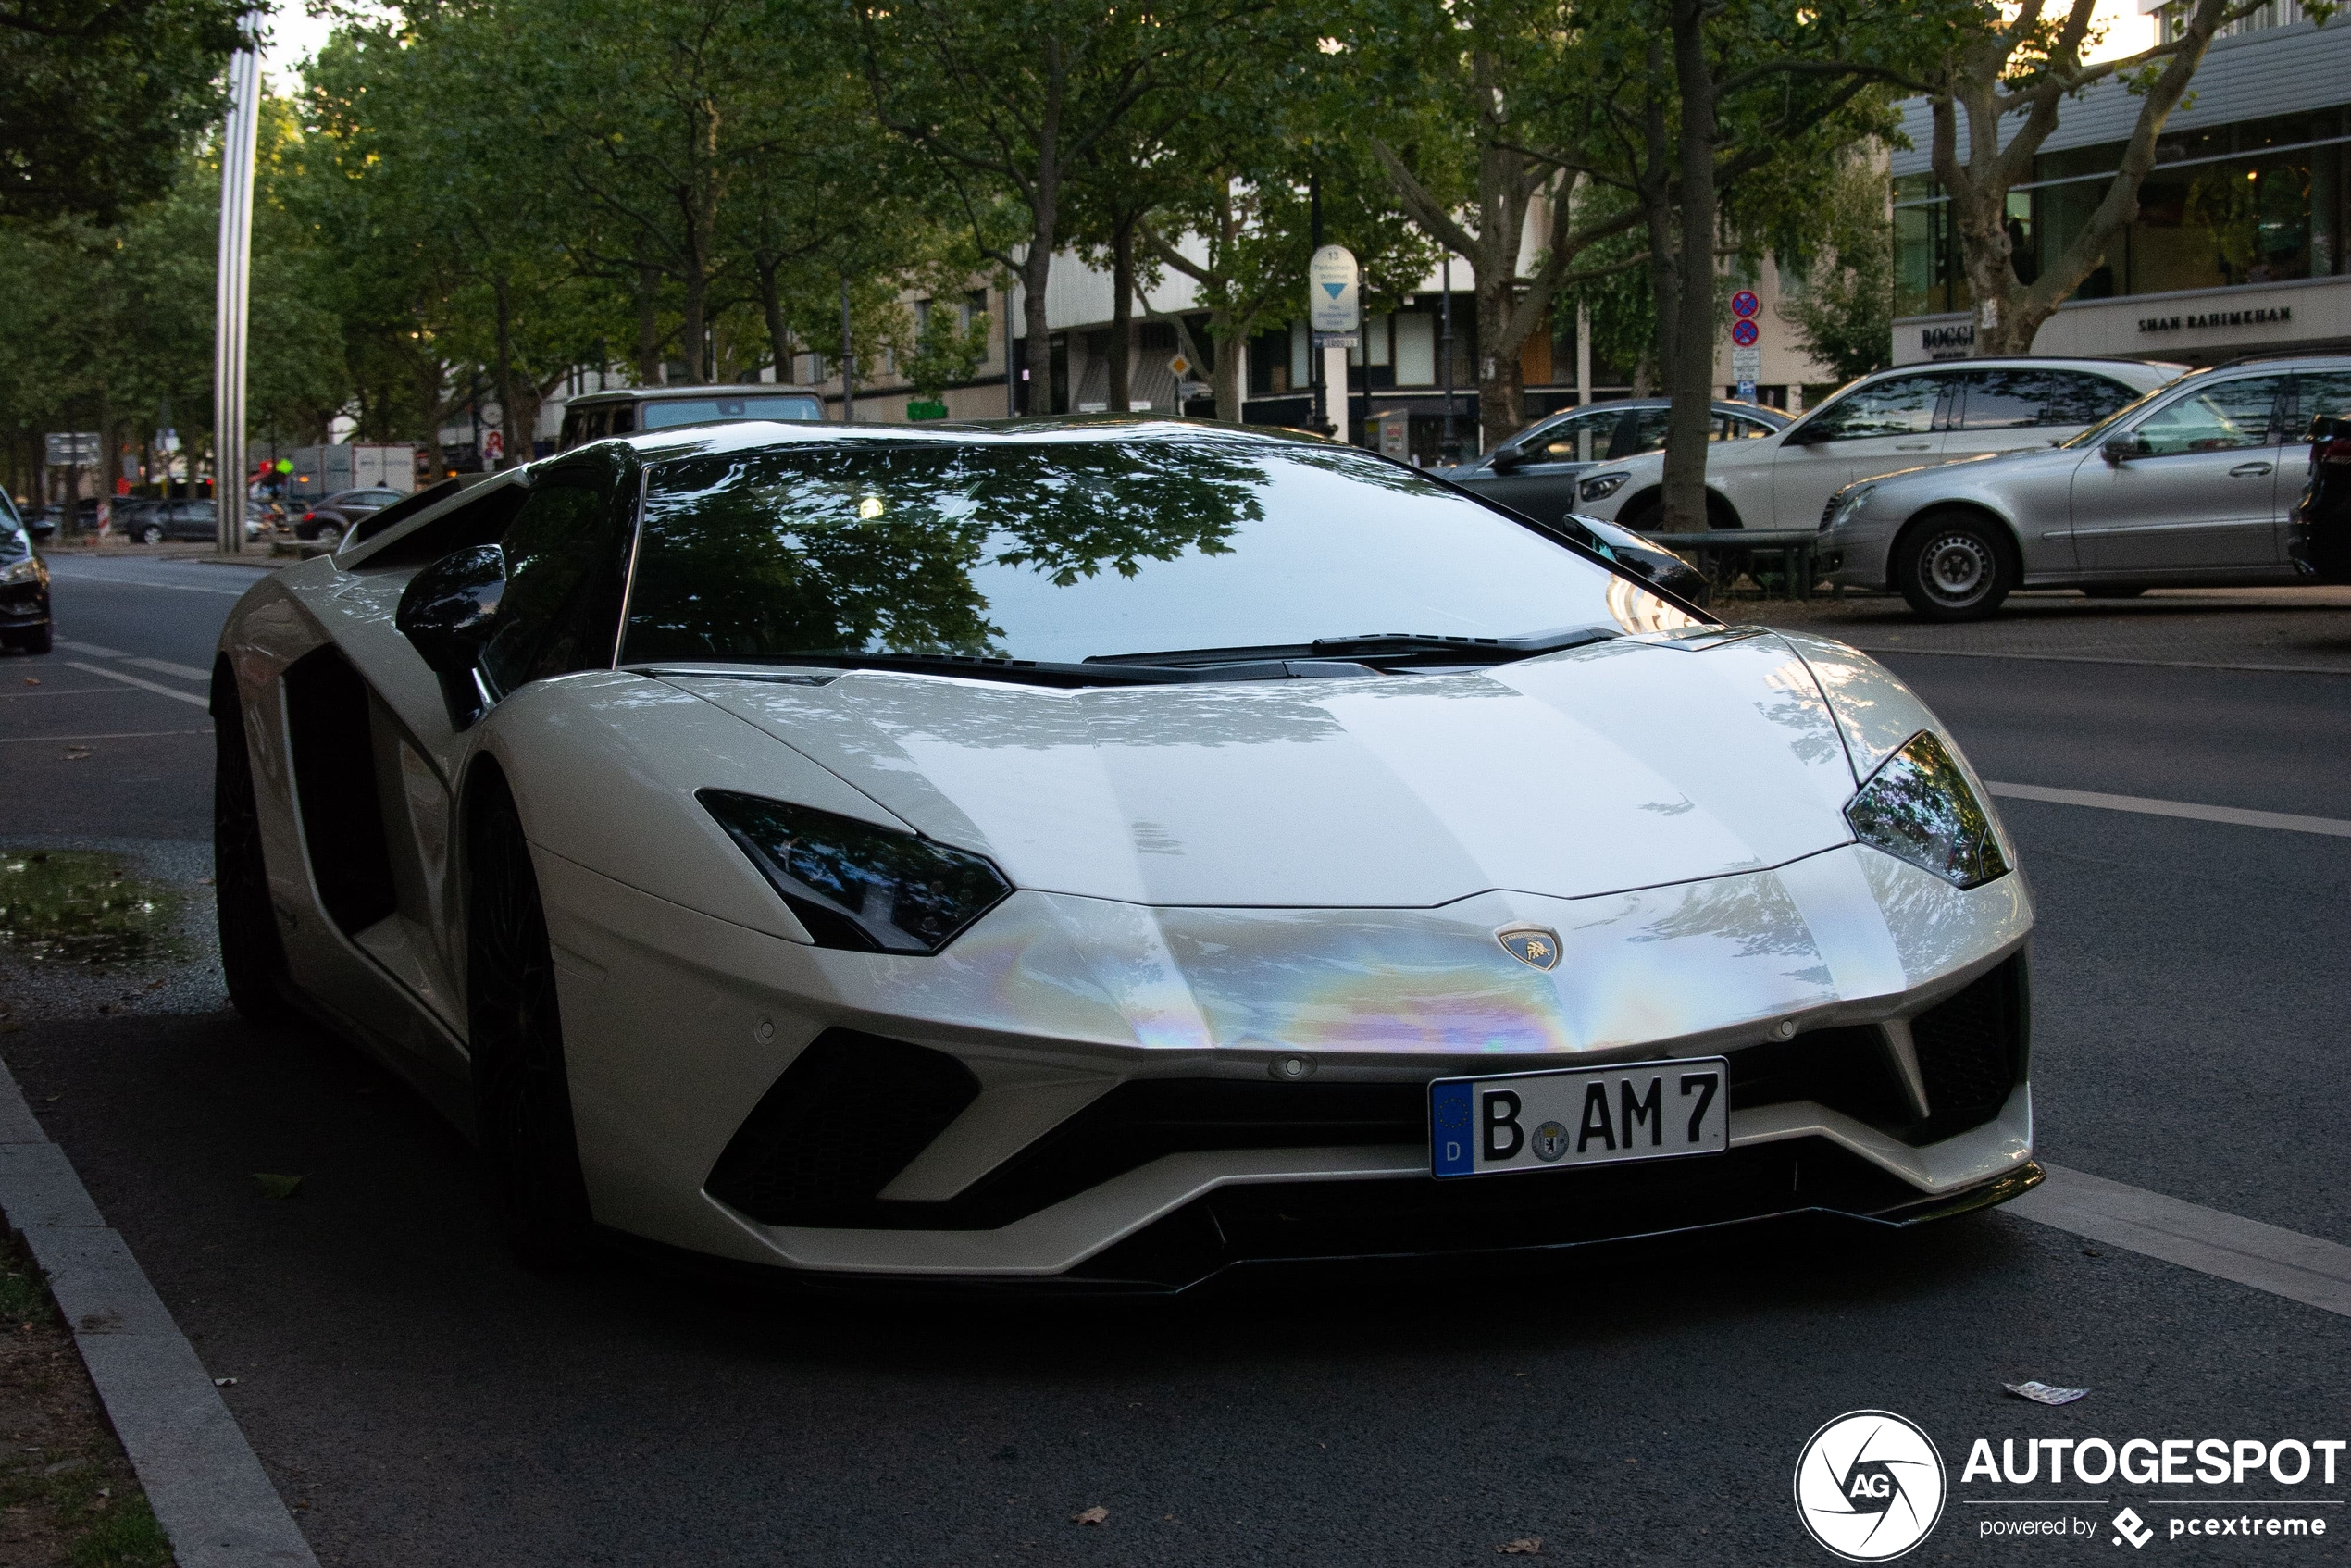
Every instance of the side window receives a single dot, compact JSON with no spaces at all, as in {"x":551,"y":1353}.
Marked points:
{"x":2217,"y":416}
{"x":2080,"y":398}
{"x":1582,"y":440}
{"x":2007,"y":399}
{"x":1645,"y":428}
{"x":624,"y":420}
{"x":1902,"y":406}
{"x":1730,"y":426}
{"x":575,"y":422}
{"x":558,"y":555}
{"x":2321,"y":391}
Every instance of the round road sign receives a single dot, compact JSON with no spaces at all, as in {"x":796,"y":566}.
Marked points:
{"x":1744,"y":303}
{"x":1743,"y":332}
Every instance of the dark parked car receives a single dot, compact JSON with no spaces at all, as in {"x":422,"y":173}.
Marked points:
{"x":1535,"y":471}
{"x":1673,"y":573}
{"x":594,"y":416}
{"x":24,"y":588}
{"x":332,"y":518}
{"x":152,"y":522}
{"x":2319,"y":537}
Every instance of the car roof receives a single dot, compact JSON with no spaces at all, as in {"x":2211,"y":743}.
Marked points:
{"x":714,"y":389}
{"x":747,"y":435}
{"x":1760,"y":410}
{"x":2033,"y":361}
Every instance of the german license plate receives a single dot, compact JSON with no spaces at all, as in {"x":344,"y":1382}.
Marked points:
{"x":1578,"y":1117}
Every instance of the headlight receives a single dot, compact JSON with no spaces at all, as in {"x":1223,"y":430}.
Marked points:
{"x":857,"y":885}
{"x":23,"y":571}
{"x":1918,"y":807}
{"x":1600,"y":487}
{"x":1848,"y":502}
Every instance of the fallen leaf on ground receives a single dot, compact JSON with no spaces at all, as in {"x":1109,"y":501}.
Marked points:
{"x":33,"y":681}
{"x":277,"y":1186}
{"x":1526,"y":1546}
{"x":1092,"y":1516}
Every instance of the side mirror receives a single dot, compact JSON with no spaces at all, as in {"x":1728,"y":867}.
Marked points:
{"x":2122,"y":448}
{"x":448,"y":614}
{"x":1507,"y":459}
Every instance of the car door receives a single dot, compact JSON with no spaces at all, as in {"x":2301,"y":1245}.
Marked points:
{"x":2023,"y":408}
{"x":1542,"y":484}
{"x":2202,"y":496}
{"x":1874,"y":428}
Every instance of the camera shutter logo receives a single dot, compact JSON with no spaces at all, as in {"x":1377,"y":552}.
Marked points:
{"x":1870,"y":1486}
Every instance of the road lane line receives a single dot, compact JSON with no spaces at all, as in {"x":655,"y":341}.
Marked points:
{"x":92,"y":649}
{"x":139,"y":582}
{"x":2093,"y":659}
{"x":2283,"y":821}
{"x":2283,"y":1262}
{"x":113,"y":735}
{"x":164,"y":666}
{"x":144,"y":684}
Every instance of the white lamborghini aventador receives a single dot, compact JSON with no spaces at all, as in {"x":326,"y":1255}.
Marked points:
{"x":1104,"y":853}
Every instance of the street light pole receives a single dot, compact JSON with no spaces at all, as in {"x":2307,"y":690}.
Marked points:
{"x":238,"y":139}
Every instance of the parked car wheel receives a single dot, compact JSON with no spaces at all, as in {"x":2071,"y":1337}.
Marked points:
{"x":522,"y":1094}
{"x":1955,"y":566}
{"x":251,"y":958}
{"x":151,"y":534}
{"x":329,"y":535}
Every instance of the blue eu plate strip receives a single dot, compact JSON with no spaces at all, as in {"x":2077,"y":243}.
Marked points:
{"x":1449,"y":1128}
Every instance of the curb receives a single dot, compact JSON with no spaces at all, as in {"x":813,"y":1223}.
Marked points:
{"x":203,"y":1481}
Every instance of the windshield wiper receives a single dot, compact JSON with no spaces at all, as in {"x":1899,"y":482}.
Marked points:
{"x":1038,"y":672}
{"x":1382,"y":648}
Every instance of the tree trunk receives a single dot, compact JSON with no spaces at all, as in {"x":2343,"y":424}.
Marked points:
{"x":648,"y":327}
{"x":771,"y":305}
{"x":510,"y":414}
{"x":1689,"y":361}
{"x":2008,"y":312}
{"x":1122,"y":316}
{"x":1044,"y":232}
{"x":1501,"y":379}
{"x":694,"y":332}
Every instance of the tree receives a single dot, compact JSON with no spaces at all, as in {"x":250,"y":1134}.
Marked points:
{"x":2026,"y":64}
{"x":1841,"y":265}
{"x":1008,"y":99}
{"x":99,"y":98}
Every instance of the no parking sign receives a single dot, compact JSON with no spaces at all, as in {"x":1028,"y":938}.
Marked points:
{"x":1744,"y":303}
{"x":1743,"y":333}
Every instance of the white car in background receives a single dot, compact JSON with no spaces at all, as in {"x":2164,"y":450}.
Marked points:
{"x":1909,"y":418}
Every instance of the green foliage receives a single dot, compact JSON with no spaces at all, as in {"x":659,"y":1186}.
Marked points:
{"x":100,"y":98}
{"x":1842,"y":277}
{"x":945,"y":351}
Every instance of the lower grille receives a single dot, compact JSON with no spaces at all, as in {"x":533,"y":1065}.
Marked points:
{"x":1972,"y":1051}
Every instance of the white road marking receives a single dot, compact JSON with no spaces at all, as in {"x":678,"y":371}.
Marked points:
{"x":144,"y":685}
{"x":92,"y":649}
{"x":2093,"y":659}
{"x":164,"y":666}
{"x":140,"y":582}
{"x":2283,"y":1262}
{"x":76,"y":739}
{"x":2282,"y":821}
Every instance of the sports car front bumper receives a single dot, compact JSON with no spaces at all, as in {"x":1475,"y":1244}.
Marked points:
{"x":1102,"y":1101}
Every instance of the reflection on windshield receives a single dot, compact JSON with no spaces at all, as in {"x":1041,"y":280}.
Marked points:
{"x":1058,"y":551}
{"x":14,"y":545}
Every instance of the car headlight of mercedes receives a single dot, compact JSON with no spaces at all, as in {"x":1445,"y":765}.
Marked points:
{"x":857,"y":885}
{"x":1918,"y":807}
{"x":21,"y":571}
{"x":1848,"y":506}
{"x":1600,"y":487}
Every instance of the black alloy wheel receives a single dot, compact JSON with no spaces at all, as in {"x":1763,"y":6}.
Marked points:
{"x":1955,"y":566}
{"x":522,"y":1094}
{"x":253,"y":957}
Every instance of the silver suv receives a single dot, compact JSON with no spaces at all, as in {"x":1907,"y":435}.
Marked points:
{"x":2191,"y":486}
{"x":1901,"y":418}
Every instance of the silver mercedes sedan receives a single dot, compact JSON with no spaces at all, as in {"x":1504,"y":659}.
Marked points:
{"x":2191,"y":486}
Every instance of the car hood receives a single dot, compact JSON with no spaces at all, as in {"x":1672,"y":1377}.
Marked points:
{"x":1967,"y":471}
{"x":1625,"y":764}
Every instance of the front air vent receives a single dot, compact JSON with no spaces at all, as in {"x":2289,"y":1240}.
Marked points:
{"x":1972,"y":1051}
{"x":843,"y":1120}
{"x":331,"y":733}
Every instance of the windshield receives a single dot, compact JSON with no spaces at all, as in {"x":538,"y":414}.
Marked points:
{"x":2100,"y":431}
{"x":660,"y":414}
{"x":1067,"y":551}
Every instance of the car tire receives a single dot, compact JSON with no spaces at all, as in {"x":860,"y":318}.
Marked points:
{"x":1955,"y":566}
{"x":2114,"y":590}
{"x":151,"y":534}
{"x":329,"y":535}
{"x":522,"y":1094}
{"x":253,"y":958}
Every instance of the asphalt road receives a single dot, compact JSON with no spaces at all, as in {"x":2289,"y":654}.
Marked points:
{"x":422,"y":1399}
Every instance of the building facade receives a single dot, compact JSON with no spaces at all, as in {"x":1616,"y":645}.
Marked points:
{"x":2239,"y":247}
